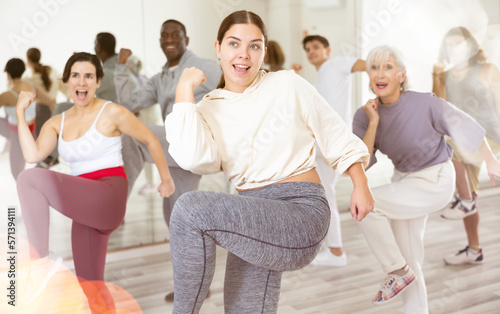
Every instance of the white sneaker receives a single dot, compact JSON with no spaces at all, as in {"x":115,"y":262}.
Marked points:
{"x":327,"y":258}
{"x":465,"y":256}
{"x":459,"y":209}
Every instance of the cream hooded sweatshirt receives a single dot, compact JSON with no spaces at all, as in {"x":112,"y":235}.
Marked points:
{"x":263,"y":135}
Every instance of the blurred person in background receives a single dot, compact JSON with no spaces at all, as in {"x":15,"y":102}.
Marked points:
{"x":275,"y":58}
{"x":9,"y":125}
{"x":49,"y":80}
{"x":333,"y":82}
{"x":473,"y":85}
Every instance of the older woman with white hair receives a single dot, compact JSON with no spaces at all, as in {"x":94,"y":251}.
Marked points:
{"x":409,"y":127}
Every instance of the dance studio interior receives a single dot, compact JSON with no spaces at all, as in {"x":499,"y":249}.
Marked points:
{"x":138,"y":263}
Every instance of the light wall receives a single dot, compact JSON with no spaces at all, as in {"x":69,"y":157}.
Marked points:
{"x":290,"y":21}
{"x":60,"y":27}
{"x":353,"y":27}
{"x":417,"y":29}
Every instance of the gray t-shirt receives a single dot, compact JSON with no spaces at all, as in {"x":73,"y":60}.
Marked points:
{"x":161,"y":87}
{"x":411,"y":131}
{"x":107,"y":89}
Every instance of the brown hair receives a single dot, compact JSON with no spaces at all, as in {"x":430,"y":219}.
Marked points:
{"x":239,"y":17}
{"x":34,"y":55}
{"x":274,"y":56}
{"x":477,"y":54}
{"x":83,"y":57}
{"x":15,"y":67}
{"x":319,"y":38}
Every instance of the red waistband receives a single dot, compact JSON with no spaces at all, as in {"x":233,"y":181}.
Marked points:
{"x":13,"y":127}
{"x":108,"y":172}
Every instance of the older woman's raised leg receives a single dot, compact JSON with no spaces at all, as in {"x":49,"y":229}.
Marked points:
{"x":409,"y":196}
{"x":409,"y":235}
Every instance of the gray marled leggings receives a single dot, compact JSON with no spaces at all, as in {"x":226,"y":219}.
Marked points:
{"x":266,"y":231}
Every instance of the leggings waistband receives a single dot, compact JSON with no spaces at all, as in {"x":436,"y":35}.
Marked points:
{"x":108,"y":172}
{"x":287,"y":190}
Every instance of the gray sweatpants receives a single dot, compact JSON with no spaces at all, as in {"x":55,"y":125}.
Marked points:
{"x":43,"y":113}
{"x":136,"y":153}
{"x":16,"y":158}
{"x":266,"y":231}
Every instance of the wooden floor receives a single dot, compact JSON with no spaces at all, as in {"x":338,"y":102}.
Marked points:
{"x":145,"y":270}
{"x":147,"y":273}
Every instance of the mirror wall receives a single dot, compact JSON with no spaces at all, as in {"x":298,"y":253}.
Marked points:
{"x":60,"y":27}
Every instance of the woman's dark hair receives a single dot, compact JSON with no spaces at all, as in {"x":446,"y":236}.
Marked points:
{"x":34,"y":55}
{"x":15,"y":67}
{"x":83,"y":57}
{"x":274,"y":56}
{"x":239,"y":17}
{"x":477,"y":54}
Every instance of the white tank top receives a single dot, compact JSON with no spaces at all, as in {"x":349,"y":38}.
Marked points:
{"x":30,"y":112}
{"x":92,"y":151}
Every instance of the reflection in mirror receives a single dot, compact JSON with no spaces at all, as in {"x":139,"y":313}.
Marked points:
{"x":352,"y":27}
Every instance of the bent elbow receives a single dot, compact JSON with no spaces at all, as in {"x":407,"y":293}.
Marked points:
{"x":201,"y":166}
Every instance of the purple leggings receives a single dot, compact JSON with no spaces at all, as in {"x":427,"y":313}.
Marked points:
{"x":16,"y":158}
{"x":97,"y":207}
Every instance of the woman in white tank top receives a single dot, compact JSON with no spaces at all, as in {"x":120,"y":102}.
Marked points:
{"x":94,"y":196}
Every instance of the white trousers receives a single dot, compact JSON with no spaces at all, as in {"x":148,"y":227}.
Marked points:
{"x":328,"y":179}
{"x":395,"y":229}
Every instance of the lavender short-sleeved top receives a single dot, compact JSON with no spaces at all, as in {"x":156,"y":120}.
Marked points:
{"x":411,"y":131}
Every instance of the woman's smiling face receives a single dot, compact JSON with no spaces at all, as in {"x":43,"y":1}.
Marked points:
{"x":386,"y":79}
{"x":241,"y":55}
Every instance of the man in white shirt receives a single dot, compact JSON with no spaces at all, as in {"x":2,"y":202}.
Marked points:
{"x":333,"y":82}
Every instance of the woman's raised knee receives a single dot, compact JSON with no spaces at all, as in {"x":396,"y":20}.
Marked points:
{"x":189,"y":206}
{"x":24,"y":177}
{"x":28,"y":177}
